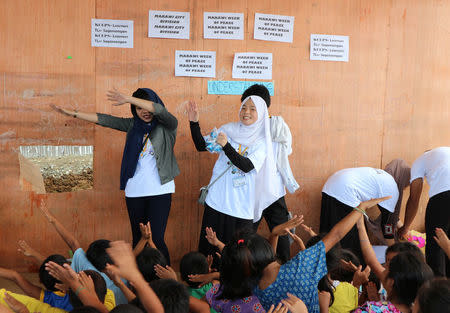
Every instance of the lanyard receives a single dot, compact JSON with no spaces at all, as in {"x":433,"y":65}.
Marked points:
{"x":241,"y":153}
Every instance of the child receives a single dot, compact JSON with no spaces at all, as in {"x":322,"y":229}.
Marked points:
{"x":433,"y":297}
{"x":239,"y":275}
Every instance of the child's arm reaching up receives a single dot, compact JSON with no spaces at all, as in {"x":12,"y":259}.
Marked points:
{"x":368,"y":253}
{"x":67,"y":236}
{"x":28,"y":251}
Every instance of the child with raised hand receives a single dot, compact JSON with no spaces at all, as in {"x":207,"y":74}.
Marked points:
{"x":433,"y":297}
{"x":239,"y":274}
{"x":302,"y":273}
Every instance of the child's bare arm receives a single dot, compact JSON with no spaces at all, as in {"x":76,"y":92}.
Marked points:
{"x":213,"y":240}
{"x":66,"y":235}
{"x":146,"y":238}
{"x":28,"y":251}
{"x":29,"y":289}
{"x":368,"y":253}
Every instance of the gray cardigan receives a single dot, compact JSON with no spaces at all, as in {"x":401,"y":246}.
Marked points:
{"x":162,"y":137}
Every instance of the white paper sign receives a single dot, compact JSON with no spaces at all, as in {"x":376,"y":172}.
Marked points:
{"x":195,"y":63}
{"x":274,"y":27}
{"x":111,"y":33}
{"x":252,"y":65}
{"x":329,"y":48}
{"x":223,"y":25}
{"x":168,"y":24}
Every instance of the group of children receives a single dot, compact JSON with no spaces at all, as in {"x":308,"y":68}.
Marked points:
{"x":320,"y":277}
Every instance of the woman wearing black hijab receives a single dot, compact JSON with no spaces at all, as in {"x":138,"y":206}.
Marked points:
{"x":148,"y":163}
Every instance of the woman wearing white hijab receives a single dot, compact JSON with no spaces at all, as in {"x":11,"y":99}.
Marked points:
{"x":244,"y":188}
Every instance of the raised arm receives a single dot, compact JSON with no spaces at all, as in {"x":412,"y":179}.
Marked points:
{"x":159,"y":111}
{"x":25,"y":248}
{"x":343,"y":227}
{"x":412,"y":205}
{"x":88,"y":117}
{"x":67,"y":236}
{"x":367,"y":250}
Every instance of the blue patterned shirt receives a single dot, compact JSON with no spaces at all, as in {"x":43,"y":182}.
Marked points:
{"x":300,"y":277}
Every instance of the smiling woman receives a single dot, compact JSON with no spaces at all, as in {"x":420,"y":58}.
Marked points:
{"x":148,"y":163}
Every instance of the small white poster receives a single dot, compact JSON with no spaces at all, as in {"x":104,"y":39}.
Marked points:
{"x":329,"y":48}
{"x":252,"y":65}
{"x":111,"y":33}
{"x":168,"y":24}
{"x":223,"y":25}
{"x":274,"y":27}
{"x":195,"y":63}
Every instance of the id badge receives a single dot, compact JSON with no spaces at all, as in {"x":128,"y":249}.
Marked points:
{"x":239,"y":181}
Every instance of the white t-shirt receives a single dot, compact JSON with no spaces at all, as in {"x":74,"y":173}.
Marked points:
{"x":278,"y":184}
{"x":352,"y":186}
{"x":434,"y":165}
{"x":146,"y":181}
{"x":234,"y":193}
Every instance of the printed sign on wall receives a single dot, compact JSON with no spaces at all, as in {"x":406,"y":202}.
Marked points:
{"x":195,"y":63}
{"x":252,"y":65}
{"x":168,"y":24}
{"x":223,"y":25}
{"x":274,"y":27}
{"x":111,"y":33}
{"x":329,"y":48}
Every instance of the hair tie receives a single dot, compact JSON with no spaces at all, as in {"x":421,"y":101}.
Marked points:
{"x":240,"y":241}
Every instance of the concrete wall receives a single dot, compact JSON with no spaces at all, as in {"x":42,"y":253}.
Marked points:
{"x":390,"y":100}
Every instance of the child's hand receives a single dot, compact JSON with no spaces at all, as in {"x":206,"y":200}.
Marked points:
{"x":87,"y":282}
{"x":202,"y":278}
{"x":294,"y":304}
{"x":48,"y":215}
{"x":25,"y":248}
{"x":442,"y":240}
{"x":370,"y":203}
{"x":361,"y":277}
{"x":192,"y":111}
{"x":165,"y":272}
{"x":222,"y":139}
{"x":63,"y":273}
{"x":113,"y":273}
{"x":309,"y":230}
{"x":280,"y":308}
{"x":124,"y":259}
{"x":146,"y":231}
{"x":372,"y":292}
{"x":348,"y":266}
{"x":282,"y":229}
{"x":116,"y":97}
{"x":297,"y":240}
{"x":16,"y":306}
{"x":212,"y":237}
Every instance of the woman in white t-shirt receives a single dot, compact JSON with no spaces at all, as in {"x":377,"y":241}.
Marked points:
{"x":434,"y":165}
{"x":242,"y":174}
{"x":346,"y":189}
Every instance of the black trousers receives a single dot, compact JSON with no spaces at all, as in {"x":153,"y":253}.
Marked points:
{"x":225,"y":227}
{"x":437,"y":215}
{"x":154,"y":209}
{"x":276,"y":214}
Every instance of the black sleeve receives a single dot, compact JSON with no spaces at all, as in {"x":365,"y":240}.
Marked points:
{"x":197,"y":137}
{"x":241,"y":162}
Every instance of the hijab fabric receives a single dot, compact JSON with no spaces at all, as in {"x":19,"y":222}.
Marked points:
{"x":247,"y":136}
{"x":135,"y":138}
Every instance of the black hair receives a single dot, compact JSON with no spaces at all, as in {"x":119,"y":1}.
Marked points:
{"x":126,"y":308}
{"x":85,"y":309}
{"x":96,"y":254}
{"x":193,"y":263}
{"x":243,"y":261}
{"x":408,"y":273}
{"x":333,"y":259}
{"x":374,"y":279}
{"x":434,"y":297}
{"x":173,"y":295}
{"x":405,"y":247}
{"x":341,"y":273}
{"x":45,"y":278}
{"x":99,"y":286}
{"x":146,"y":261}
{"x":257,"y":90}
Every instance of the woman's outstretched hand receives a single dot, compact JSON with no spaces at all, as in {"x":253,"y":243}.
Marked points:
{"x":116,"y":97}
{"x":192,"y":111}
{"x":62,"y":111}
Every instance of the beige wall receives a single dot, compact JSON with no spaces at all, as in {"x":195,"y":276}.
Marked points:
{"x":390,"y":100}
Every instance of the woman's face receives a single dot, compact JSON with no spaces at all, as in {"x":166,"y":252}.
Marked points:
{"x":144,"y":115}
{"x":248,"y":114}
